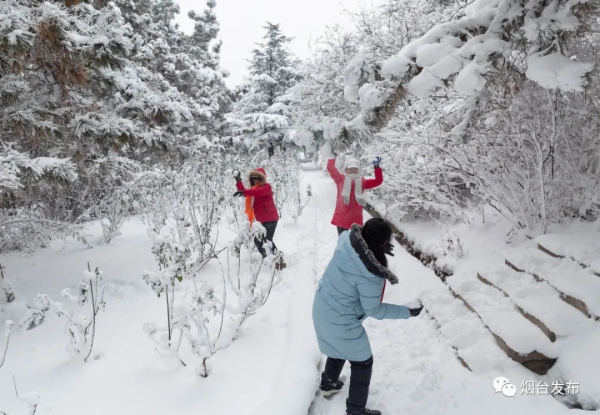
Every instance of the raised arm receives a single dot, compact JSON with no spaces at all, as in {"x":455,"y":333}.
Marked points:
{"x":371,"y":183}
{"x":258,"y":192}
{"x":240,"y":185}
{"x":333,"y":171}
{"x":370,"y":299}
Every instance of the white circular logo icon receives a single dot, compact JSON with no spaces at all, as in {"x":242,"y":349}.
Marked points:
{"x":509,"y":390}
{"x":499,"y":382}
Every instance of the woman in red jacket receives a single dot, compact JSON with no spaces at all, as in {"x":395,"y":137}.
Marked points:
{"x":260,"y":206}
{"x":350,"y":187}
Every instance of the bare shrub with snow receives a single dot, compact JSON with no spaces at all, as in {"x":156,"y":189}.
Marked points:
{"x":183,"y":209}
{"x":285,"y":175}
{"x":80,"y":321}
{"x":201,"y":317}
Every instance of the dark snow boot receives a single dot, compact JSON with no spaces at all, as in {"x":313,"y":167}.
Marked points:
{"x":331,"y":388}
{"x":365,"y":412}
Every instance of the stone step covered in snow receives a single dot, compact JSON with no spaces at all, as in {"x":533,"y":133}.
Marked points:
{"x":579,"y":286}
{"x":539,"y":302}
{"x":579,"y":362}
{"x":474,"y":344}
{"x":520,"y":339}
{"x":583,"y":247}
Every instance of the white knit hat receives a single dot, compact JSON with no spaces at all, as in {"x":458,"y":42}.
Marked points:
{"x":351,"y":162}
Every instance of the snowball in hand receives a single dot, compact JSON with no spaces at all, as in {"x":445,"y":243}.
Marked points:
{"x":415,"y":304}
{"x":499,"y":382}
{"x":509,"y":390}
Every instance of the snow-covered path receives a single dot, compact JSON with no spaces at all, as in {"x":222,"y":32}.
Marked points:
{"x":270,"y":369}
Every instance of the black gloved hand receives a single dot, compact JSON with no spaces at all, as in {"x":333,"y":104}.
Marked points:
{"x":388,"y":248}
{"x":237,"y":176}
{"x":415,"y":310}
{"x":239,"y":193}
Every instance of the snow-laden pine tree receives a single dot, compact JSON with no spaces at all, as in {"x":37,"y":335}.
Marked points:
{"x":209,"y":88}
{"x":65,"y":83}
{"x":90,"y":94}
{"x":262,"y":106}
{"x":183,"y":66}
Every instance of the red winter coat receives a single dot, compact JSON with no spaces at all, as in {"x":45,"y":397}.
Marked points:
{"x":347,"y":214}
{"x":264,"y":205}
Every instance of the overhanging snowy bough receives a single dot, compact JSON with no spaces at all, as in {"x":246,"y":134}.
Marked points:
{"x":526,"y":40}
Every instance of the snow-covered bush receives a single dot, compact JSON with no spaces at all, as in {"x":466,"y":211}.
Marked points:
{"x":416,"y":180}
{"x":299,"y":201}
{"x":31,"y":399}
{"x":80,"y":320}
{"x":201,"y":318}
{"x":26,"y":228}
{"x":284,"y":173}
{"x":187,"y":203}
{"x":15,"y":309}
{"x":183,"y":209}
{"x":250,"y":286}
{"x":6,"y":289}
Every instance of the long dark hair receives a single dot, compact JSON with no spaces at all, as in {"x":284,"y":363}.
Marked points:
{"x":376,"y":233}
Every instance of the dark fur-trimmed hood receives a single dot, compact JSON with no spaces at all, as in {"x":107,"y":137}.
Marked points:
{"x":367,"y":257}
{"x":258,"y":172}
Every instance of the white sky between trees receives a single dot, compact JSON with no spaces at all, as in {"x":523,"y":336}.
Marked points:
{"x":241,"y":24}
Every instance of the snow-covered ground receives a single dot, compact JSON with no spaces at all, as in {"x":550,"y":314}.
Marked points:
{"x":271,"y":368}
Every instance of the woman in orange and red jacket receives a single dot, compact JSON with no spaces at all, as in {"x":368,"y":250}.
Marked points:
{"x":259,"y":205}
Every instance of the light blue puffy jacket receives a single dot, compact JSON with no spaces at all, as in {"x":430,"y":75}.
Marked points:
{"x":347,"y":294}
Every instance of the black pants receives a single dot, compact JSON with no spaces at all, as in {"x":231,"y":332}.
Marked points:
{"x":360,"y":379}
{"x":340,"y":230}
{"x":270,"y":228}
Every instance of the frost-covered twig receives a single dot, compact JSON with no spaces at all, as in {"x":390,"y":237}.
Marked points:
{"x":6,"y":287}
{"x":94,"y":312}
{"x":9,"y":325}
{"x":31,"y":399}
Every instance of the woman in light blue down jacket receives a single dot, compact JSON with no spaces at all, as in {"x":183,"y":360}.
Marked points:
{"x":350,"y":291}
